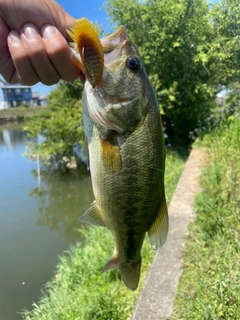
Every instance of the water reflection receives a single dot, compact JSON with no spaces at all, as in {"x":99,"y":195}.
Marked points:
{"x":12,"y":135}
{"x":62,"y":199}
{"x":35,"y":227}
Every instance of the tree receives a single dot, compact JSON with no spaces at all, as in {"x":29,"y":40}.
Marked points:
{"x":183,"y":49}
{"x":62,"y":130}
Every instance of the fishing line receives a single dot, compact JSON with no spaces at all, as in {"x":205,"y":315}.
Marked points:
{"x":95,"y":13}
{"x":96,"y":4}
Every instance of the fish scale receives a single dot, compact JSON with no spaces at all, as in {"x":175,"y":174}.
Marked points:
{"x":126,"y":154}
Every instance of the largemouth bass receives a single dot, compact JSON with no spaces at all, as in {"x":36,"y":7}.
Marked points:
{"x":126,"y":154}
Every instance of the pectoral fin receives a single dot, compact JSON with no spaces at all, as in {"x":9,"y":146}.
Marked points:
{"x":111,"y":155}
{"x":159,"y":229}
{"x":93,"y":216}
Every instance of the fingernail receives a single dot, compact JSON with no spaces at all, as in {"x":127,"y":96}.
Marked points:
{"x":30,"y":31}
{"x":48,"y":32}
{"x":14,"y":37}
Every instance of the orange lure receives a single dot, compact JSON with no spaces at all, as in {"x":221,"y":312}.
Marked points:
{"x":86,"y":38}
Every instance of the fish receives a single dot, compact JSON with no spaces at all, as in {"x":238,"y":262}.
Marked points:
{"x":125,"y":151}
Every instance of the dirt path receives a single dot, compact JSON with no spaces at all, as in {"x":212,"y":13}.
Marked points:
{"x":156,"y":298}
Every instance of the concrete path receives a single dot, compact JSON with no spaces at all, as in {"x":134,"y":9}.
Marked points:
{"x":156,"y":298}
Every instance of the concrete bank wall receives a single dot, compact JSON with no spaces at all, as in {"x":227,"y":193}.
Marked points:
{"x":156,"y":298}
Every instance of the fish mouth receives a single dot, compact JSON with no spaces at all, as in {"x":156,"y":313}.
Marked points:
{"x":110,"y":42}
{"x":119,"y":104}
{"x":105,"y":102}
{"x":112,"y":45}
{"x":99,"y":106}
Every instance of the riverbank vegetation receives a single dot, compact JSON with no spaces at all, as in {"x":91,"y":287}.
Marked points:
{"x":79,"y":290}
{"x":190,"y":50}
{"x":62,"y":130}
{"x":210,"y":284}
{"x":23,"y":113}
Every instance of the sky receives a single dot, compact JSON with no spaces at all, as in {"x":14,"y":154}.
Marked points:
{"x":91,"y":9}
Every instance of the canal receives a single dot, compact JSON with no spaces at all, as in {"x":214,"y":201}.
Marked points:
{"x":36,"y":227}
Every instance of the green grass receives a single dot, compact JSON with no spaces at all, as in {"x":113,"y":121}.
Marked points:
{"x":209,"y":287}
{"x":79,"y":291}
{"x":23,"y":112}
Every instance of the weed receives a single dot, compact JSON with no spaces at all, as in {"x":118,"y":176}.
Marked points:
{"x":79,"y":291}
{"x":210,"y":284}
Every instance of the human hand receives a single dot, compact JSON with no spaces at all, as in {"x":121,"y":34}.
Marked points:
{"x":33,"y":42}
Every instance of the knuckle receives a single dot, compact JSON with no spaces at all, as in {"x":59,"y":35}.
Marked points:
{"x":27,"y":79}
{"x":29,"y":82}
{"x":11,"y":81}
{"x":49,"y":81}
{"x":70,"y":77}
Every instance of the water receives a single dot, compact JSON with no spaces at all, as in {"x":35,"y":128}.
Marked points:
{"x":34,"y":227}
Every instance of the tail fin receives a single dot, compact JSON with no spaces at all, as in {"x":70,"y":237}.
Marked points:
{"x":130,"y":274}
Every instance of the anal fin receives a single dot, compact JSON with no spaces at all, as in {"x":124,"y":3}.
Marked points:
{"x":159,"y":229}
{"x":129,"y":271}
{"x":112,"y":264}
{"x":93,"y":216}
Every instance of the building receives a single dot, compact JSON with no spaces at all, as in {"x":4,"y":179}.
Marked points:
{"x":35,"y":97}
{"x":13,"y":95}
{"x":43,"y":100}
{"x":40,"y":100}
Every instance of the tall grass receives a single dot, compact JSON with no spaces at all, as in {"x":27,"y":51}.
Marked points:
{"x":79,"y":291}
{"x":209,"y":287}
{"x":27,"y":113}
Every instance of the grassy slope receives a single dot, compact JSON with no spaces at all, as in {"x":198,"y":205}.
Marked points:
{"x":26,"y":112}
{"x":209,"y":287}
{"x":79,"y":291}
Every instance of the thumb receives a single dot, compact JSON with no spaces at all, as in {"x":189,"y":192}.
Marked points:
{"x":63,"y":21}
{"x":69,"y":24}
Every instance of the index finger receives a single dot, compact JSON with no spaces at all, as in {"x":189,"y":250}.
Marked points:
{"x":6,"y":64}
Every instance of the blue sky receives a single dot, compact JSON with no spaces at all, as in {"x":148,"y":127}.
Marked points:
{"x":91,"y":9}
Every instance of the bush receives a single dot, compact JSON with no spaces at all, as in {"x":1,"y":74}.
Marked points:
{"x":61,"y":131}
{"x":79,"y":290}
{"x":210,"y":284}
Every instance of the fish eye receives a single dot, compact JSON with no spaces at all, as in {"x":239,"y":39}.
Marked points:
{"x":133,"y":64}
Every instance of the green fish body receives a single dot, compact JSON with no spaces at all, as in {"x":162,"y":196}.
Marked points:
{"x":126,"y":154}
